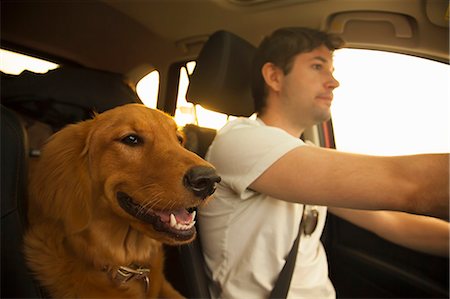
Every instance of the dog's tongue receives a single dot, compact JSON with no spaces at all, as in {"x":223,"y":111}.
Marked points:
{"x":181,"y":215}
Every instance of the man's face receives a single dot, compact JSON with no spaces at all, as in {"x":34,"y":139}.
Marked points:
{"x":307,"y":90}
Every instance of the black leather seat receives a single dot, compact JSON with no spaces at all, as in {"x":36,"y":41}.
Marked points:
{"x":16,"y":281}
{"x":198,"y":139}
{"x":220,"y":82}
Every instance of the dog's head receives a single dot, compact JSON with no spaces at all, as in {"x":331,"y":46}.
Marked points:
{"x":128,"y":162}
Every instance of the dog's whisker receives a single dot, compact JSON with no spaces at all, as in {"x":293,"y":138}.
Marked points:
{"x":149,"y":187}
{"x":159,"y":200}
{"x":151,"y":204}
{"x":152,"y":192}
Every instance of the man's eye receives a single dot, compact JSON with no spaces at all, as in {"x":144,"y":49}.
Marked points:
{"x":317,"y":66}
{"x":132,"y":140}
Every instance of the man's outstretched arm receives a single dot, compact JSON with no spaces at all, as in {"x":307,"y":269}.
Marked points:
{"x":416,"y":184}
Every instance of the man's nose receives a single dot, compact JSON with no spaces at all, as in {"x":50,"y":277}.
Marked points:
{"x":332,"y":83}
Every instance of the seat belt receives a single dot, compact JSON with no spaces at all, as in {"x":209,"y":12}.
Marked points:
{"x":281,"y":288}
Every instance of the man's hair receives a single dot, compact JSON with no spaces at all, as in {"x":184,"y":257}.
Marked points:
{"x":280,"y":48}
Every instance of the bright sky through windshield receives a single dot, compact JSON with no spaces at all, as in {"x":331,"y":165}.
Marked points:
{"x":390,"y":104}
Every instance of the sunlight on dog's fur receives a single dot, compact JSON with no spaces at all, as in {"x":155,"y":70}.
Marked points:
{"x":106,"y":193}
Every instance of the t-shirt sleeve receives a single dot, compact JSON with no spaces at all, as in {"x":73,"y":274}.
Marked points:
{"x":243,"y":153}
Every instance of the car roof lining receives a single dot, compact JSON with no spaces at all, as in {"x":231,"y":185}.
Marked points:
{"x":136,"y":34}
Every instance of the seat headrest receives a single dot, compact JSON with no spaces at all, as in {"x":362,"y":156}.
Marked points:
{"x":221,"y":79}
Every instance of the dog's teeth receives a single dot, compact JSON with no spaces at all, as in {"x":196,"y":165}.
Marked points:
{"x":173,"y":221}
{"x":191,"y":225}
{"x":179,"y":226}
{"x":193,"y":214}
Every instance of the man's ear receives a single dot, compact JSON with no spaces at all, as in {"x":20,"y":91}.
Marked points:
{"x":273,"y":76}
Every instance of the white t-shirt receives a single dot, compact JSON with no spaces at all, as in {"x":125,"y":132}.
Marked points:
{"x":245,"y":235}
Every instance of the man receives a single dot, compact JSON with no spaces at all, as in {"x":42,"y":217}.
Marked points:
{"x":269,"y":175}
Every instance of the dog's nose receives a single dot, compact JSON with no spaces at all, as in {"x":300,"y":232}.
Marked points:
{"x":201,"y":180}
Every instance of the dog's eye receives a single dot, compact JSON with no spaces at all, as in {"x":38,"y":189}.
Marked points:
{"x":180,"y":139}
{"x":132,"y":140}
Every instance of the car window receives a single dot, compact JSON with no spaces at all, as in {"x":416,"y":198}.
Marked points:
{"x":14,"y":63}
{"x":185,"y":113}
{"x":390,"y":104}
{"x":147,"y":89}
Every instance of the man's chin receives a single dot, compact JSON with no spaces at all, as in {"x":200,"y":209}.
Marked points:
{"x":322,"y":115}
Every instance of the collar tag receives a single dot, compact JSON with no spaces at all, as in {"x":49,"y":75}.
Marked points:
{"x":126,"y":273}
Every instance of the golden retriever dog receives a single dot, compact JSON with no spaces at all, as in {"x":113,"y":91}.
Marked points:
{"x":104,"y":196}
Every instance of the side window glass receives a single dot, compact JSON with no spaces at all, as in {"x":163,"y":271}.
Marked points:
{"x":147,"y":89}
{"x":390,"y":104}
{"x":14,"y":63}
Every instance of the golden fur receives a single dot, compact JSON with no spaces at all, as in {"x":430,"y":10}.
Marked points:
{"x":79,"y":234}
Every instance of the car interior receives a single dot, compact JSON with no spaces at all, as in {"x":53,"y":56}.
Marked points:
{"x":105,"y":47}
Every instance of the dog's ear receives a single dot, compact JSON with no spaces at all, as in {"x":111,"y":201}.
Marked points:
{"x":60,"y":187}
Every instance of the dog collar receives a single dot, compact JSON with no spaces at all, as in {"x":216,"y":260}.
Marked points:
{"x":124,"y":274}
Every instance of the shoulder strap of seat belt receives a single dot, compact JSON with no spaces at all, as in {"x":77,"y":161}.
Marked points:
{"x":281,"y":288}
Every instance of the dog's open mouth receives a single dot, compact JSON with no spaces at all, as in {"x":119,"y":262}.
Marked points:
{"x":178,"y":222}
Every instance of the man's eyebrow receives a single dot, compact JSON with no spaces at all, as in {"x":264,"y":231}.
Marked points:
{"x":320,"y":58}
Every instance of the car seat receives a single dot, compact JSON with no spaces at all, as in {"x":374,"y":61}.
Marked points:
{"x":220,"y":82}
{"x":16,"y":281}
